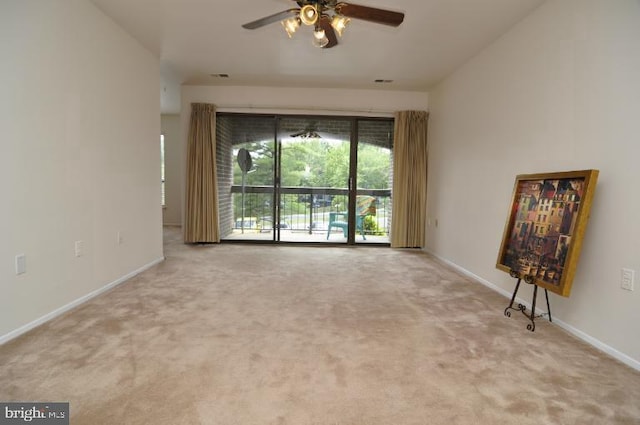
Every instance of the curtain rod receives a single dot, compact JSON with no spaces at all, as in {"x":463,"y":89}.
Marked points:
{"x":236,"y":108}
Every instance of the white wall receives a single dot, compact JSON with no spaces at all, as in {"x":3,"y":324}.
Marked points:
{"x":172,"y":213}
{"x":79,"y":157}
{"x":560,"y":91}
{"x":283,"y":100}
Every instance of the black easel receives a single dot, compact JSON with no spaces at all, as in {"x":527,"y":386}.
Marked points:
{"x":521,"y":308}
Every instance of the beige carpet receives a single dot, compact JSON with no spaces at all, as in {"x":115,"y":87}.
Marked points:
{"x":242,"y":334}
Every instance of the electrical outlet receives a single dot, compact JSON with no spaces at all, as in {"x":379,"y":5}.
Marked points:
{"x":120,"y":239}
{"x":628,"y":276}
{"x":21,"y":264}
{"x":79,"y":246}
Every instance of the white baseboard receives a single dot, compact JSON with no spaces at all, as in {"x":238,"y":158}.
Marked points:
{"x":633,"y":363}
{"x":59,"y":311}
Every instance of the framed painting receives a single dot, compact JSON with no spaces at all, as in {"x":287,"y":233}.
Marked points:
{"x":545,"y":226}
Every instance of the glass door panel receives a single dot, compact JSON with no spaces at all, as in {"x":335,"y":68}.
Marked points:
{"x":246,"y":153}
{"x":314,"y":179}
{"x":374,"y":180}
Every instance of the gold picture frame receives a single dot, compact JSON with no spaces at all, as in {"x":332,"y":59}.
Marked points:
{"x":545,"y":226}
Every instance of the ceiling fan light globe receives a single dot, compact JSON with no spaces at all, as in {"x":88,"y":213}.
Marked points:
{"x":309,"y":14}
{"x":339,"y":23}
{"x":290,"y":26}
{"x":320,"y":42}
{"x":319,"y":34}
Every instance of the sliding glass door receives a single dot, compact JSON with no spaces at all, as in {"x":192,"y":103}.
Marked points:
{"x":293,"y":178}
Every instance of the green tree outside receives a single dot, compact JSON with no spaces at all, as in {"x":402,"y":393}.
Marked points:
{"x":316,"y":163}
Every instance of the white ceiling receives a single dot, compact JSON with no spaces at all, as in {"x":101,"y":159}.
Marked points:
{"x":197,"y":38}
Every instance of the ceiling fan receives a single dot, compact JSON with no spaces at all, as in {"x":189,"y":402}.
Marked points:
{"x":309,"y":132}
{"x":327,"y":17}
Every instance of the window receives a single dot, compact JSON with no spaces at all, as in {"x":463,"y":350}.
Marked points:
{"x":162,"y":198}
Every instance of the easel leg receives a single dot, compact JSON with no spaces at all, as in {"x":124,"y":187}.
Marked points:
{"x":513,"y":298}
{"x":546,"y":294}
{"x":532,"y":316}
{"x":532,"y":326}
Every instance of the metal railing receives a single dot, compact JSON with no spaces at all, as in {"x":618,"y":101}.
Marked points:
{"x":304,"y":209}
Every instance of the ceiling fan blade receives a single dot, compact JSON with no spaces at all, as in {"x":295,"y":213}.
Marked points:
{"x":371,"y":14}
{"x":271,"y":19}
{"x":325,"y":24}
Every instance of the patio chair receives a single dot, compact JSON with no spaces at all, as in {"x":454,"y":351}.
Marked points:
{"x":365,"y":205}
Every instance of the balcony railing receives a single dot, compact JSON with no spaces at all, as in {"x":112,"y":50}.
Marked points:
{"x":303,"y":210}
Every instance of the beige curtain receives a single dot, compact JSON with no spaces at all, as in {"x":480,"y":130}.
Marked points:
{"x":409,"y":179}
{"x":201,"y":209}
